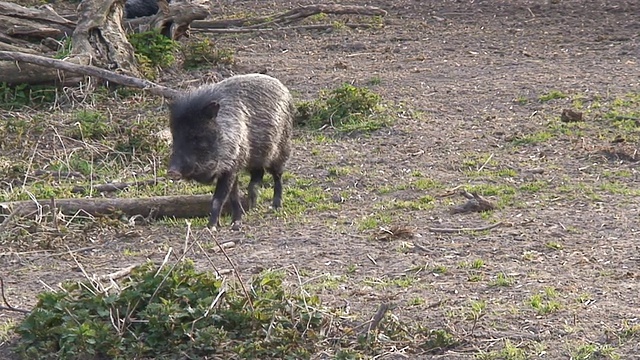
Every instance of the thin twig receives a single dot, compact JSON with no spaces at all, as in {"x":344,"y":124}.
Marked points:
{"x":451,"y":230}
{"x":4,"y":299}
{"x":235,"y":269}
{"x":118,"y":274}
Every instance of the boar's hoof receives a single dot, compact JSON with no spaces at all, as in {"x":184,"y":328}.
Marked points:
{"x":237,"y":225}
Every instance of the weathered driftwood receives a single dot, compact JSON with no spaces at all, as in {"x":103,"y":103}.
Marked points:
{"x":289,"y":17}
{"x":19,"y":24}
{"x":98,"y":39}
{"x":153,"y":207}
{"x":71,"y":68}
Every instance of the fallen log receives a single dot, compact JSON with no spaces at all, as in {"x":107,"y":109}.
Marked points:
{"x":184,"y":207}
{"x":289,"y":17}
{"x":87,"y":70}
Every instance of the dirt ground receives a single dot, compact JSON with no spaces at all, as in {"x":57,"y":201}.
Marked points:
{"x":468,"y":76}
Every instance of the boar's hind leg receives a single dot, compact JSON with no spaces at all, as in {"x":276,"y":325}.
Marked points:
{"x":223,"y":187}
{"x":277,"y":187}
{"x":236,"y":206}
{"x":256,"y":180}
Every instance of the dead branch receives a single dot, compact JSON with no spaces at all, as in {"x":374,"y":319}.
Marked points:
{"x":4,"y":300}
{"x":375,"y":320}
{"x":459,"y":230}
{"x":103,"y":188}
{"x":173,"y":20}
{"x":118,"y":274}
{"x":476,"y":203}
{"x":394,"y":232}
{"x":88,"y":70}
{"x":154,"y":207}
{"x":289,"y":17}
{"x":285,"y":28}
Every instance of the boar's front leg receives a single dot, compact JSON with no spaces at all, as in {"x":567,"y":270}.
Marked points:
{"x":236,"y":207}
{"x":223,"y":187}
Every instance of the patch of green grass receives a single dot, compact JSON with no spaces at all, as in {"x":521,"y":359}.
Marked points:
{"x":157,"y":48}
{"x":476,"y":311}
{"x":594,"y":352}
{"x":509,"y":351}
{"x":553,"y":245}
{"x":65,"y":48}
{"x":373,"y":221}
{"x":17,"y":96}
{"x":425,"y":184}
{"x":629,"y":332}
{"x":574,"y":129}
{"x":521,"y":100}
{"x":90,"y":124}
{"x":502,"y":279}
{"x":439,"y":269}
{"x":544,"y":304}
{"x":617,"y":173}
{"x":426,"y":202}
{"x":618,"y":188}
{"x":505,"y":193}
{"x":335,"y":171}
{"x":533,"y":138}
{"x":477,"y":264}
{"x":6,"y":330}
{"x":552,"y":95}
{"x":201,"y":52}
{"x":374,"y":81}
{"x":416,"y":301}
{"x":318,"y":17}
{"x":403,"y":282}
{"x":326,"y":281}
{"x":534,"y":186}
{"x":303,"y":196}
{"x":347,"y":108}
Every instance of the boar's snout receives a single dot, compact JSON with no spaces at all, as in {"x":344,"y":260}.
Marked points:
{"x":174,"y":175}
{"x":174,"y":172}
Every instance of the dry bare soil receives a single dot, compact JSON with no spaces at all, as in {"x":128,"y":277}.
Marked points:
{"x":476,"y":89}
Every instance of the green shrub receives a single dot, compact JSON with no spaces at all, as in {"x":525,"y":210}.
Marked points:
{"x":347,"y":108}
{"x":174,"y":312}
{"x":152,"y":50}
{"x":200,"y":53}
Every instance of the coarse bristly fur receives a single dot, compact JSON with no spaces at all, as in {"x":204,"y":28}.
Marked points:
{"x":243,"y":122}
{"x":140,"y":8}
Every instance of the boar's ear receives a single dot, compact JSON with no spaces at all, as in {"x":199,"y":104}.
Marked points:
{"x":211,"y":110}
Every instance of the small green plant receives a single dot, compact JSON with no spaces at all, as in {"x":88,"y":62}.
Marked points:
{"x":89,"y":124}
{"x":503,"y":280}
{"x":65,"y":48}
{"x":15,"y":96}
{"x":347,"y":108}
{"x":521,"y":100}
{"x":553,"y":245}
{"x":201,"y":52}
{"x":178,"y":312}
{"x":508,"y":352}
{"x":153,"y":49}
{"x":533,"y":138}
{"x":374,"y":81}
{"x":543,"y":304}
{"x":594,"y":351}
{"x":552,"y":95}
